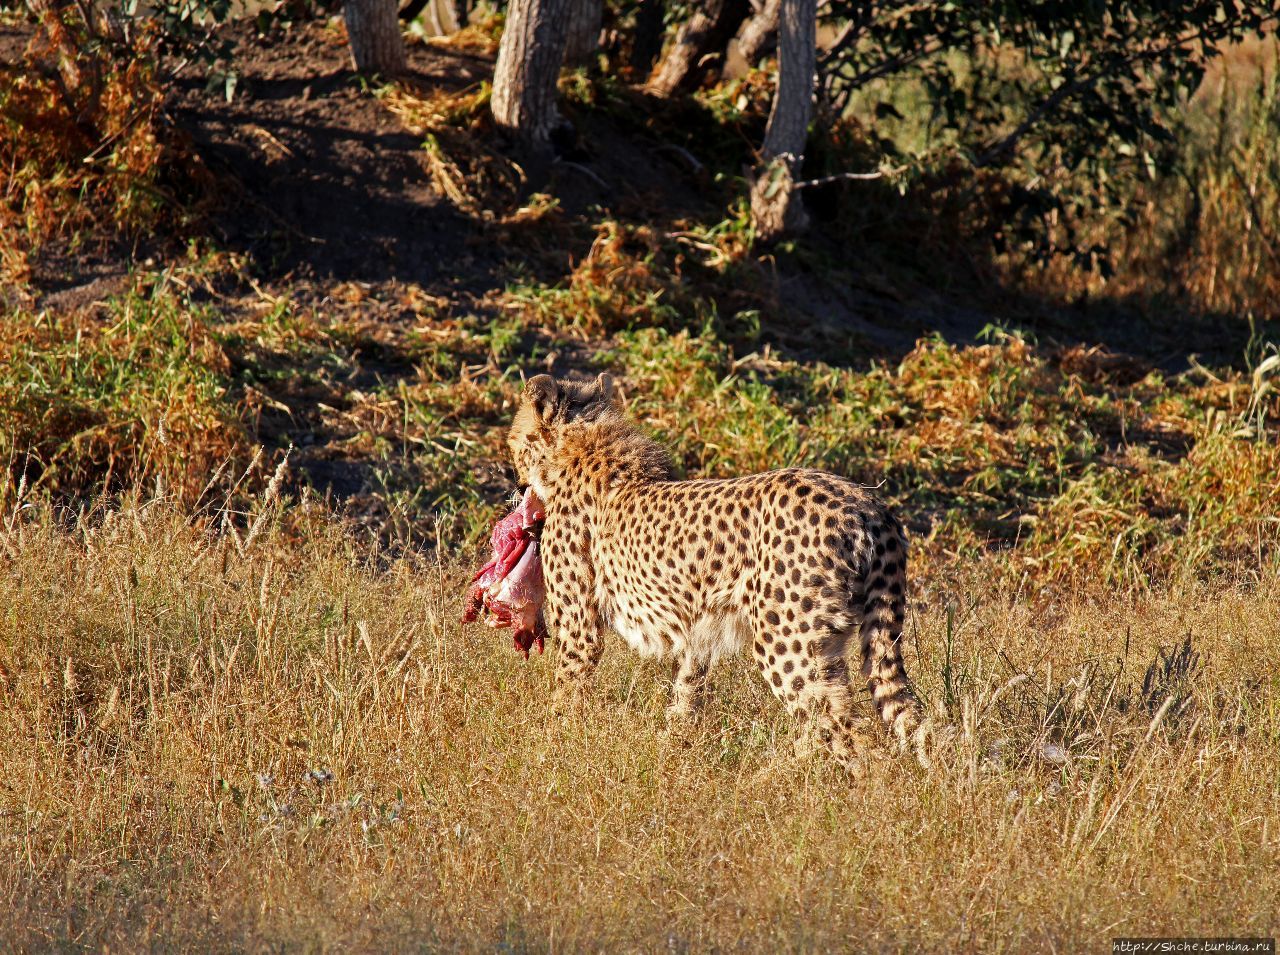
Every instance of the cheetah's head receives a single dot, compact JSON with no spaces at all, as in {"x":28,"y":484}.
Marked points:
{"x":548,"y":406}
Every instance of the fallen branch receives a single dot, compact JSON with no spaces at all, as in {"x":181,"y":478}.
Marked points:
{"x":846,"y":176}
{"x":578,"y":167}
{"x":683,"y":153}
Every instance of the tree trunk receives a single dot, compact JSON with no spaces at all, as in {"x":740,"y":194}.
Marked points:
{"x":373,"y":30}
{"x":524,"y":78}
{"x":775,"y":206}
{"x":760,"y":33}
{"x":646,"y":42}
{"x":583,"y":31}
{"x":701,"y":38}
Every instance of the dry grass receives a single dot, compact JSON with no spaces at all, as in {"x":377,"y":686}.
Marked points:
{"x":176,"y":701}
{"x":1090,"y":467}
{"x":457,"y":128}
{"x":230,"y":727}
{"x":1205,"y":235}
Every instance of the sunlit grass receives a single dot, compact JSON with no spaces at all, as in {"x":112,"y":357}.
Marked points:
{"x":177,"y":704}
{"x":234,"y":723}
{"x":1092,"y":475}
{"x":134,"y":393}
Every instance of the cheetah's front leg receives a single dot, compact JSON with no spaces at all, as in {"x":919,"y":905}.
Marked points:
{"x":579,"y":647}
{"x":571,"y":613}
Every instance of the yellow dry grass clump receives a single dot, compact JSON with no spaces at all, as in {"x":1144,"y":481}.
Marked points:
{"x":467,"y":170}
{"x":261,"y":740}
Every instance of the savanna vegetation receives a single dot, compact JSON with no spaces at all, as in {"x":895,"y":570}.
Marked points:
{"x":264,"y":317}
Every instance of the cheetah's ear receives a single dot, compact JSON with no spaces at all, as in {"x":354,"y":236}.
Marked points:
{"x":543,"y":393}
{"x":604,"y":385}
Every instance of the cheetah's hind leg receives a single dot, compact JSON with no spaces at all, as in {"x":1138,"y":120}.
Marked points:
{"x":689,"y":688}
{"x":811,"y":679}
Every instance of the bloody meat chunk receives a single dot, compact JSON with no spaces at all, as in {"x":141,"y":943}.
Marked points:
{"x":509,"y":589}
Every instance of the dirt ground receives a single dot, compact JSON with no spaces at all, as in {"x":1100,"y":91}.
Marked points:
{"x":326,"y":198}
{"x":329,"y":186}
{"x":321,"y":184}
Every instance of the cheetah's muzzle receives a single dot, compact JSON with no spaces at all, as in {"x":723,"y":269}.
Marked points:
{"x":510,"y":588}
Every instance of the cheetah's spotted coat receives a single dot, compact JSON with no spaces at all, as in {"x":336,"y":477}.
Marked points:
{"x":794,"y":562}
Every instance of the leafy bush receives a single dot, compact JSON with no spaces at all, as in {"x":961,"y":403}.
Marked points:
{"x":96,"y":153}
{"x":1073,"y":101}
{"x":132,"y":396}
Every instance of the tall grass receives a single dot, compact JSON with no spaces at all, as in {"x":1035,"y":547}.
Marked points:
{"x":1230,"y":243}
{"x":225,"y":745}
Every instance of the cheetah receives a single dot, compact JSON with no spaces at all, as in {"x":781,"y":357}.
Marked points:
{"x":794,"y":562}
